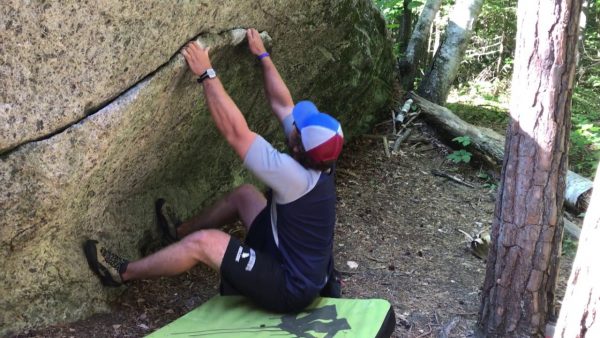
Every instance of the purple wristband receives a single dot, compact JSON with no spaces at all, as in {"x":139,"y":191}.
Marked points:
{"x":263,"y":55}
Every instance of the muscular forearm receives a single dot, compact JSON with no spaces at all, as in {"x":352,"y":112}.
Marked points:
{"x":227,"y":116}
{"x":277,"y":92}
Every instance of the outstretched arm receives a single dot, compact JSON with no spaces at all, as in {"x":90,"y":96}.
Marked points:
{"x":227,"y":116}
{"x":277,"y":92}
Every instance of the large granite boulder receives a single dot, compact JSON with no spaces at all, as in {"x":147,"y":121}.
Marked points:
{"x":99,"y":116}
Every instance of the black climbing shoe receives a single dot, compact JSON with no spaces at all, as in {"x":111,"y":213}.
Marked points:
{"x":104,"y":263}
{"x":167,"y":220}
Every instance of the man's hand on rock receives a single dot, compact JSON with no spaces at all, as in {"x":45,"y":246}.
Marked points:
{"x":196,"y":56}
{"x":255,"y":42}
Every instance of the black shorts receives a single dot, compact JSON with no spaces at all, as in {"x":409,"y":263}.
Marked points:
{"x":249,"y":270}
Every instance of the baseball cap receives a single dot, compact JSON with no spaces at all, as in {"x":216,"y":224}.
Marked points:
{"x":321,"y":134}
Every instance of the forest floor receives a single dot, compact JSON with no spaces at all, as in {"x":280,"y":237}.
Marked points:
{"x":396,"y":220}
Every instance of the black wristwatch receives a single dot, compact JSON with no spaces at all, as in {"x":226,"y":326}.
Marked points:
{"x":208,"y":74}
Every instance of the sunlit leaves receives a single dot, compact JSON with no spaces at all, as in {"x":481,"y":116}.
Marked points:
{"x":415,"y":4}
{"x":463,"y":140}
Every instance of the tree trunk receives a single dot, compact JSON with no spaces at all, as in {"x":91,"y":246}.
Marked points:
{"x":500,"y":56}
{"x":404,"y":25}
{"x":581,"y":35}
{"x":436,"y":84}
{"x":581,"y":306}
{"x":518,"y":292}
{"x":489,"y":146}
{"x":582,"y":24}
{"x":437,"y":27}
{"x":417,"y":44}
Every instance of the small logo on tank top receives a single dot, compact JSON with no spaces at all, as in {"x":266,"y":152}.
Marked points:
{"x":239,"y":253}
{"x":251,"y":261}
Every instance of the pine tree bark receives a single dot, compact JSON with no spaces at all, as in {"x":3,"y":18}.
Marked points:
{"x":580,"y":310}
{"x":436,"y":84}
{"x":518,"y":292}
{"x":415,"y":50}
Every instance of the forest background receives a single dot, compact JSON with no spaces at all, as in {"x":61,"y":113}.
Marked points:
{"x":481,"y":92}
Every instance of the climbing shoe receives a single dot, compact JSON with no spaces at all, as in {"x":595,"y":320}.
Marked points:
{"x":167,"y":220}
{"x":104,"y":263}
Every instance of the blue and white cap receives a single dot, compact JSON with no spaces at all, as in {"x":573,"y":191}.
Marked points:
{"x":321,"y":134}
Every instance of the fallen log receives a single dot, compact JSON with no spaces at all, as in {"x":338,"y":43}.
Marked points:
{"x":489,"y":145}
{"x":578,"y":192}
{"x":573,"y":229}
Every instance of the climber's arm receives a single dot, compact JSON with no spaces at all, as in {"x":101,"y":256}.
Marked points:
{"x":277,"y":92}
{"x":227,"y":116}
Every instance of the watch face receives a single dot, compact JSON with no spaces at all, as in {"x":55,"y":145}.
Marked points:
{"x":211,"y":73}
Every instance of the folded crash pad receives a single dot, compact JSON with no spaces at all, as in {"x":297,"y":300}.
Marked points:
{"x":235,"y":316}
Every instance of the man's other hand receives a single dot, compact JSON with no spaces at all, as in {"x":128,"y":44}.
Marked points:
{"x":197,"y":57}
{"x":255,"y":42}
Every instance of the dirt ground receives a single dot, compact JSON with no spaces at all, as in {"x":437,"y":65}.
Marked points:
{"x":396,"y":221}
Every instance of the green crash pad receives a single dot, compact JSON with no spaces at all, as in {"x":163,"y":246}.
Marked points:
{"x":235,"y":316}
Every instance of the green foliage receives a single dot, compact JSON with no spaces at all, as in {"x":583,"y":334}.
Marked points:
{"x":483,"y":175}
{"x":463,"y":140}
{"x":584,"y":153}
{"x":569,"y":246}
{"x":392,"y":10}
{"x":492,"y":45}
{"x":594,"y":81}
{"x":459,"y":156}
{"x":490,"y":183}
{"x":415,"y":4}
{"x":481,"y":112}
{"x":491,"y":186}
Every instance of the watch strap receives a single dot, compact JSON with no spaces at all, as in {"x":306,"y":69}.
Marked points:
{"x":207,"y":75}
{"x":202,"y":77}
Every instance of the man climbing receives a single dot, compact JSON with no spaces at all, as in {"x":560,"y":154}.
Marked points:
{"x":286,"y":260}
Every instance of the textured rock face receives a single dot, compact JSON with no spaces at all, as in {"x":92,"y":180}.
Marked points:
{"x":99,"y":116}
{"x":64,"y":59}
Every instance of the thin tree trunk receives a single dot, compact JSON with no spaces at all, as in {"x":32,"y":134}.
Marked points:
{"x":583,"y":23}
{"x":429,"y":55}
{"x":404,"y":25}
{"x":518,"y":292}
{"x":437,"y":24}
{"x":500,"y":56}
{"x":436,"y":84}
{"x":580,"y":310}
{"x":581,"y":35}
{"x":417,"y":44}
